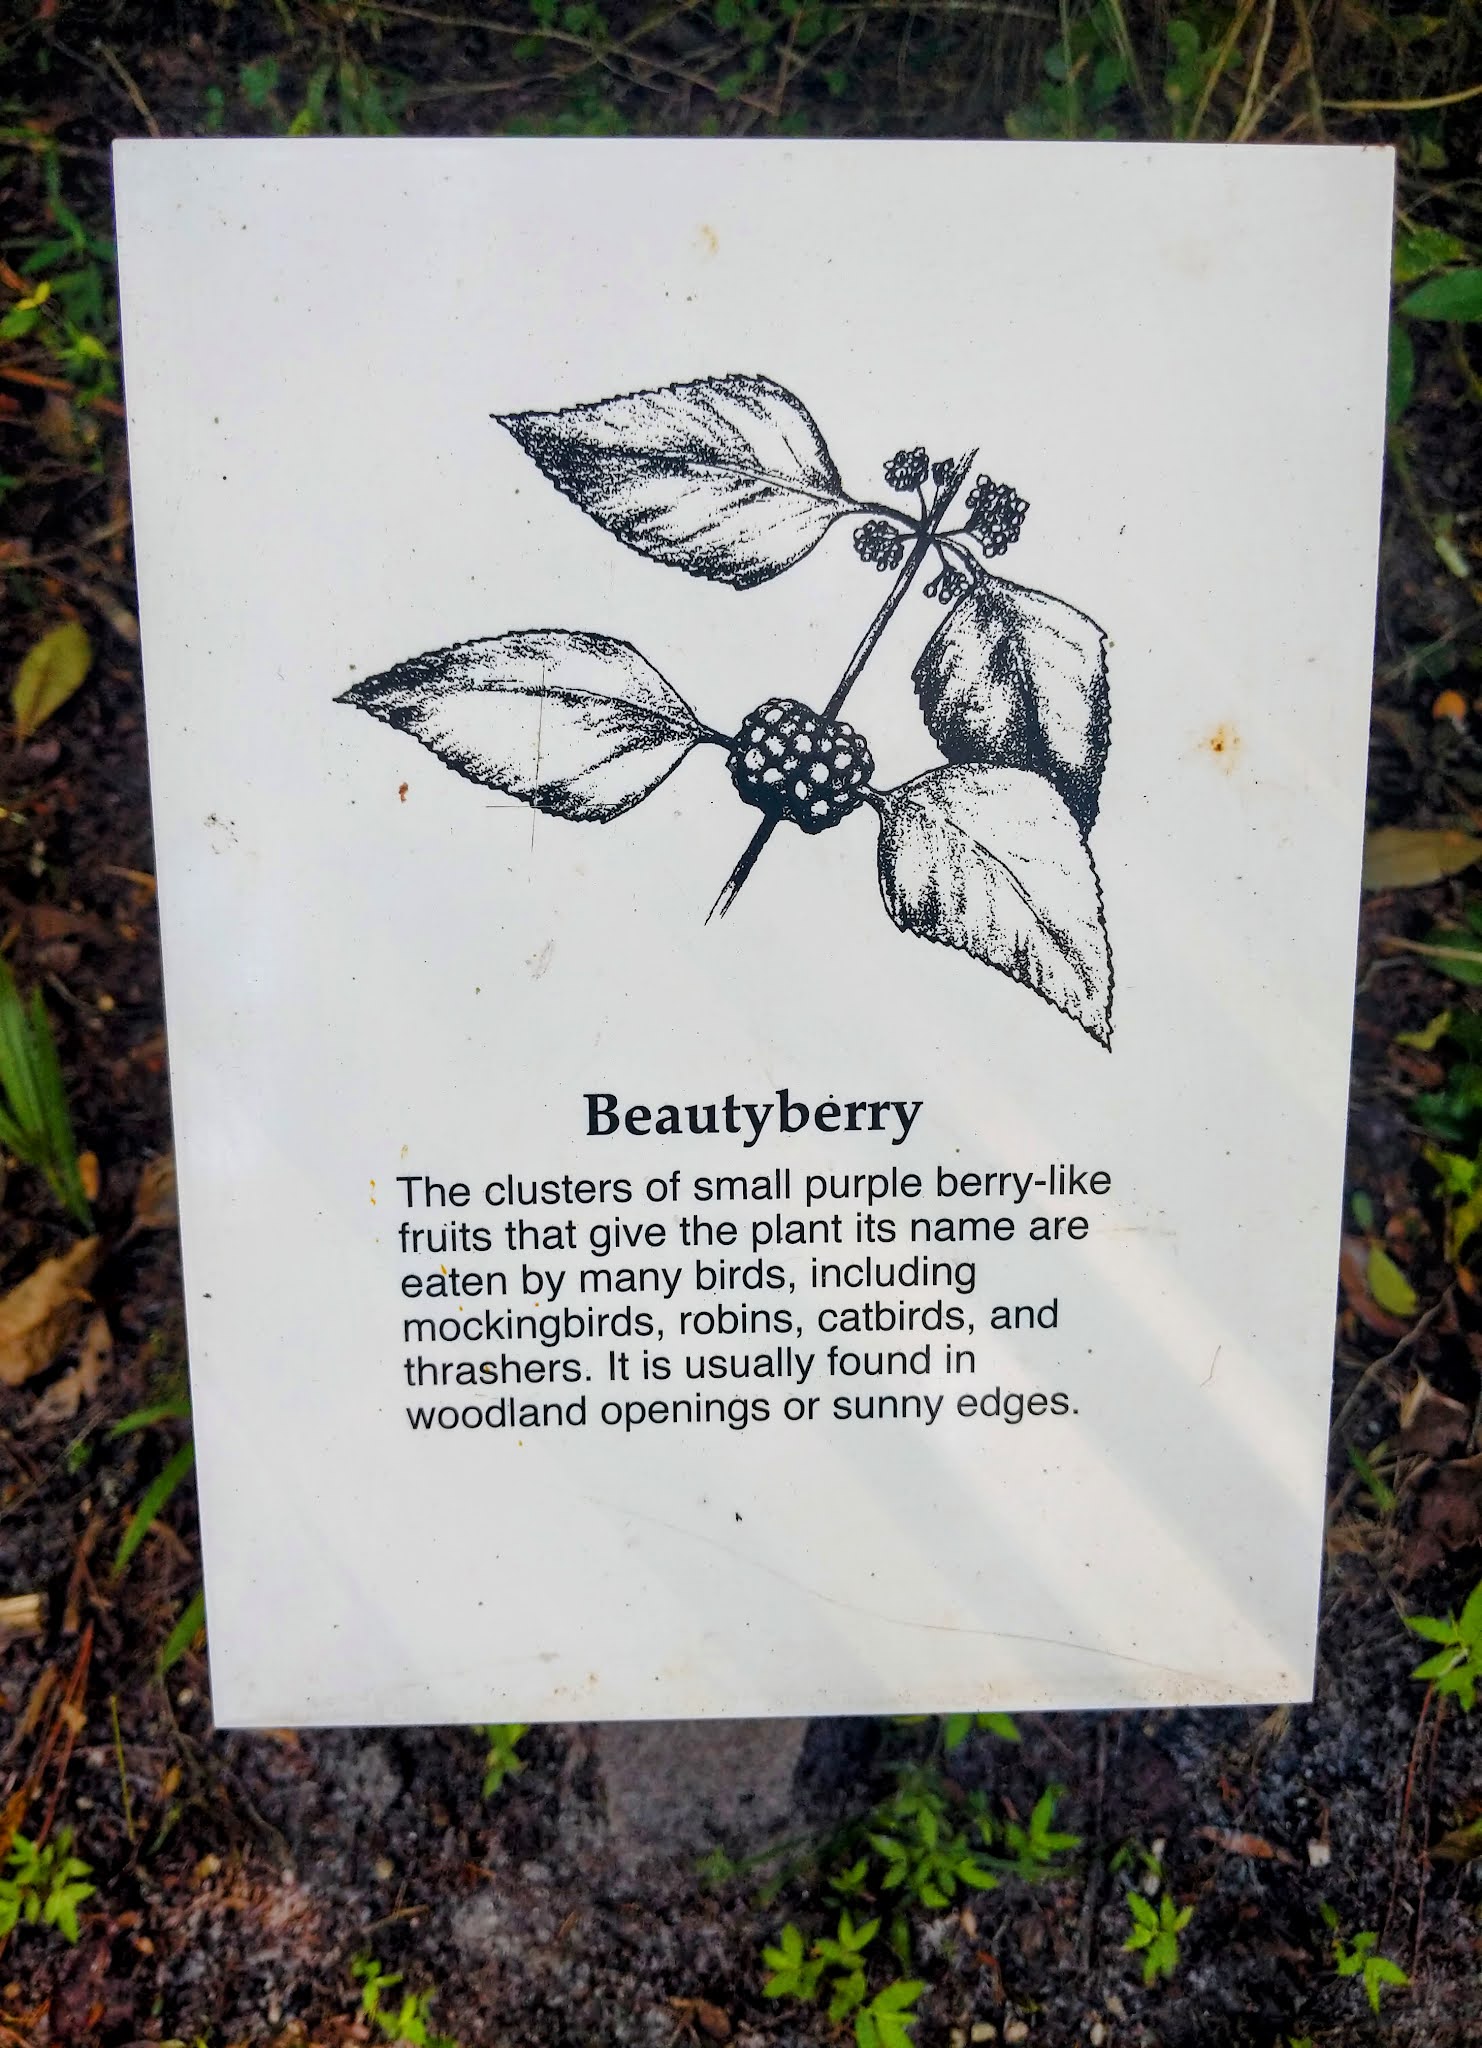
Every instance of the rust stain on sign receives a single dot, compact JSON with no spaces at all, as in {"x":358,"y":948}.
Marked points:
{"x":1224,"y":744}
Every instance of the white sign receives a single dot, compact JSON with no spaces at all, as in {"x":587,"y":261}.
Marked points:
{"x":758,"y":757}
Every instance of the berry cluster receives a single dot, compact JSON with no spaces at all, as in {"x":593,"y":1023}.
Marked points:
{"x":879,"y":542}
{"x":793,"y":763}
{"x":995,"y":515}
{"x":945,"y":585}
{"x":907,"y":469}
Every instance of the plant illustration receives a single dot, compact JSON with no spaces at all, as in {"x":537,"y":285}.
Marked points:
{"x":730,"y":479}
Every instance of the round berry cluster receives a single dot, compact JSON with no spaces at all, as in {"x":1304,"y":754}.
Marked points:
{"x":879,"y":542}
{"x":907,"y":469}
{"x":995,"y":515}
{"x":793,"y":763}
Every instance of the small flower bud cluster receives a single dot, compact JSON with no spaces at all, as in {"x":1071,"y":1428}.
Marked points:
{"x":995,"y":515}
{"x":945,"y":585}
{"x":879,"y":542}
{"x":907,"y":469}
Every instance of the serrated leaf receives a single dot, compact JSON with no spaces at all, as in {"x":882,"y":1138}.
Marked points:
{"x":53,"y":671}
{"x":1013,"y":678}
{"x":1418,"y":251}
{"x":1457,"y":295}
{"x":1398,"y":858}
{"x":576,"y":724}
{"x":1388,"y":1285}
{"x":726,"y":477}
{"x":989,"y":860}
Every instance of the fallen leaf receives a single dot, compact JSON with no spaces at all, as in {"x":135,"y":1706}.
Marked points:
{"x":52,"y":672}
{"x":1388,"y":1285}
{"x":1353,"y":1267}
{"x":90,"y":1174}
{"x":1236,"y":1843}
{"x":707,"y":2017}
{"x":1431,"y":1422}
{"x":1397,"y":858}
{"x":1449,"y":1517}
{"x":155,"y":1205}
{"x":61,"y":1402}
{"x":1461,"y":1845}
{"x":38,"y":1317}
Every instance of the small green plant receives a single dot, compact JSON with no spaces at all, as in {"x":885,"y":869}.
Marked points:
{"x":44,"y":1886}
{"x":403,"y":2021}
{"x":1456,"y":1667}
{"x":1035,"y":1852}
{"x":833,"y":1968}
{"x":1155,"y":1930}
{"x":34,"y":1122}
{"x":71,"y":307}
{"x":922,"y":1854}
{"x":923,"y":1846}
{"x":503,"y":1759}
{"x":956,"y":1728}
{"x":1360,"y":1958}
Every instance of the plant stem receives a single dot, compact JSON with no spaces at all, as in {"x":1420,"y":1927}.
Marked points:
{"x":921,"y":548}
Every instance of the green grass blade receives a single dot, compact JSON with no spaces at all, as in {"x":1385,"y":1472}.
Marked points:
{"x":156,"y":1494}
{"x":184,"y":1633}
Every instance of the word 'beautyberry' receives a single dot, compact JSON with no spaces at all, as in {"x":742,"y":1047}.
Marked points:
{"x":879,"y":542}
{"x":906,"y":470}
{"x":793,"y":763}
{"x":995,"y":515}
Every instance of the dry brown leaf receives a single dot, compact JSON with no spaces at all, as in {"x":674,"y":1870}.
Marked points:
{"x":1431,"y":1422}
{"x":61,"y":1401}
{"x":1398,"y":858}
{"x":155,"y":1205}
{"x":1449,"y":1517}
{"x":40,"y":1316}
{"x":1236,"y":1843}
{"x":699,"y":2012}
{"x":90,"y":1174}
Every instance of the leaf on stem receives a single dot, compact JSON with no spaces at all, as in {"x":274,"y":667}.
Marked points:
{"x":726,"y":477}
{"x":990,"y":860}
{"x":576,"y":724}
{"x":1014,"y":678}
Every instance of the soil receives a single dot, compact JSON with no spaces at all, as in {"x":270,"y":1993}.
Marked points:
{"x":238,"y":1876}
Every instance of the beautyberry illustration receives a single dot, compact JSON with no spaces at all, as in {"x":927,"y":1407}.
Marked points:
{"x":907,"y":469}
{"x":995,"y":515}
{"x":731,"y":479}
{"x":791,"y":762}
{"x":878,"y":541}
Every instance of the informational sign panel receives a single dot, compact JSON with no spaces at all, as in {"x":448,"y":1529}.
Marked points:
{"x":759,"y":759}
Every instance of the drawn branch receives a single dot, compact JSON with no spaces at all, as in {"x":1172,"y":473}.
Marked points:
{"x":950,"y":484}
{"x":990,"y":860}
{"x":726,"y":477}
{"x":579,"y":725}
